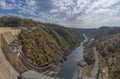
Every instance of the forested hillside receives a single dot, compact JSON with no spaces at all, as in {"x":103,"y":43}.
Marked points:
{"x":107,"y":42}
{"x":43,"y":43}
{"x":98,"y":32}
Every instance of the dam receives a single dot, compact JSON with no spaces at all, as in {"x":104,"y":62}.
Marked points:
{"x":10,"y":63}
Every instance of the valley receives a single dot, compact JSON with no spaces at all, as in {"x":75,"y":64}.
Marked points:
{"x":54,"y":50}
{"x":59,"y":39}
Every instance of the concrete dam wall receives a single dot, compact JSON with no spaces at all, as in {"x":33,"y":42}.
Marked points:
{"x":11,"y":63}
{"x":15,"y":31}
{"x":6,"y":69}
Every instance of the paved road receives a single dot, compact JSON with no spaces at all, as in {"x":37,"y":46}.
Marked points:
{"x":95,"y":68}
{"x":96,"y":65}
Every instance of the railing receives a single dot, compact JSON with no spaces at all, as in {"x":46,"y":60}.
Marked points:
{"x":30,"y":66}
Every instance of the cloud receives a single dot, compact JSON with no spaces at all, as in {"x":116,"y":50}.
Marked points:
{"x":108,"y":12}
{"x":31,"y":2}
{"x":71,"y":12}
{"x":44,"y":5}
{"x":4,"y":5}
{"x":53,"y":10}
{"x":12,"y":14}
{"x":1,"y":14}
{"x":102,"y":4}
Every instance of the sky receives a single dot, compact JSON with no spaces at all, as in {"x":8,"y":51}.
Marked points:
{"x":69,"y":13}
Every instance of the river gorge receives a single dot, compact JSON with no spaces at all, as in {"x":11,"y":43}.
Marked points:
{"x":70,"y":66}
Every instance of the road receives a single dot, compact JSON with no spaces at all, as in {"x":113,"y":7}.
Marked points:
{"x":96,"y":65}
{"x":95,"y":68}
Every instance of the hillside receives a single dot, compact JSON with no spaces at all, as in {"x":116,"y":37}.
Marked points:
{"x":86,"y":31}
{"x":43,"y":43}
{"x":98,"y":32}
{"x":109,"y":48}
{"x":107,"y":42}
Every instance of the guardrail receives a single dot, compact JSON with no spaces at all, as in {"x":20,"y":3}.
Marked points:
{"x":30,"y":66}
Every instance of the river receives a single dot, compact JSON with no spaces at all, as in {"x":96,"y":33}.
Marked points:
{"x":70,"y":67}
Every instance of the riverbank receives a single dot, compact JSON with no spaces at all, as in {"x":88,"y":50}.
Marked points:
{"x":58,"y":65}
{"x":64,"y":57}
{"x":70,"y":66}
{"x":83,"y":64}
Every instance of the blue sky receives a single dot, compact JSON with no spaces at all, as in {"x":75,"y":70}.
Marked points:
{"x":70,"y":13}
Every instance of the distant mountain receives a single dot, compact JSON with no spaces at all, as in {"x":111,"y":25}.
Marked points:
{"x":100,"y":32}
{"x":103,"y":31}
{"x":104,"y":27}
{"x":86,"y":31}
